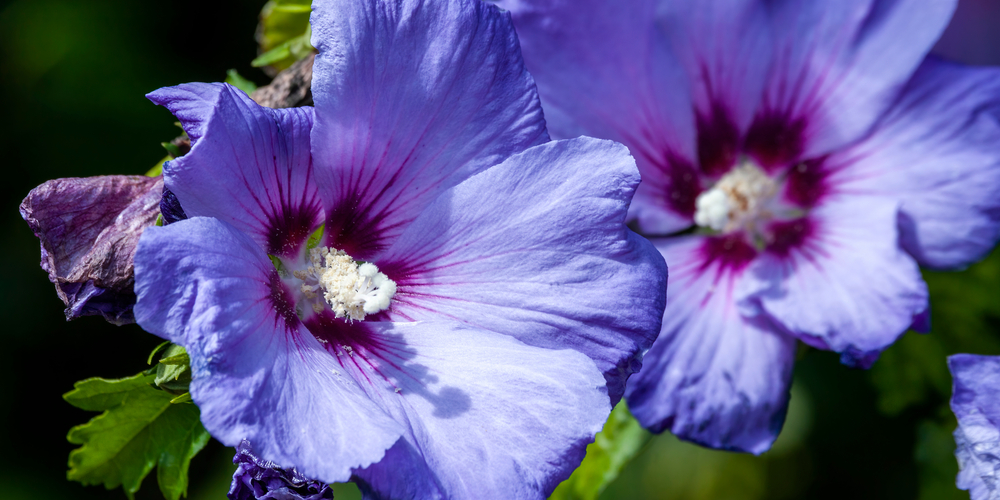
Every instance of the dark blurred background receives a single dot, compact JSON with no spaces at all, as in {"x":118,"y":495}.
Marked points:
{"x":73,"y":74}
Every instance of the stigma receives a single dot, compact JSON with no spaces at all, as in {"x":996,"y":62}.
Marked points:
{"x":741,"y":199}
{"x":350,"y":289}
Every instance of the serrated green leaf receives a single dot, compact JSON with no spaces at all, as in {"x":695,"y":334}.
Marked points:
{"x":139,"y":429}
{"x":236,"y":80}
{"x":619,"y":442}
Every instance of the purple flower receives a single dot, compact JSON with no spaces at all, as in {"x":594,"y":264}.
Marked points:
{"x":475,"y":303}
{"x":799,"y":161}
{"x":259,"y":479}
{"x":88,"y":229}
{"x":976,"y":402}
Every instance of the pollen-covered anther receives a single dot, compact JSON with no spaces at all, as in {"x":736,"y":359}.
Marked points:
{"x":739,"y":200}
{"x":351,"y":290}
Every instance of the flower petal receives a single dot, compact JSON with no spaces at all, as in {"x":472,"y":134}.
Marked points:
{"x":976,"y":402}
{"x":847,"y":286}
{"x":257,"y":373}
{"x":714,"y":376}
{"x":249,"y":165}
{"x":838,"y":65}
{"x":558,"y":271}
{"x":605,"y":71}
{"x":259,"y":479}
{"x":489,"y":416}
{"x":411,"y":97}
{"x":88,"y":229}
{"x":936,"y":151}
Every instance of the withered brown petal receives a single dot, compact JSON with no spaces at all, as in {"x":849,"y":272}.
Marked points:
{"x":88,"y":229}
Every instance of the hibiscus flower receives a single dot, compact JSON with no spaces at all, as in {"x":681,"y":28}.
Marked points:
{"x":407,"y":284}
{"x":800,"y":161}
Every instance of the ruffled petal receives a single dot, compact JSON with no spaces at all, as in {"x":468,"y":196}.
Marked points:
{"x":936,"y":151}
{"x":88,"y":229}
{"x":248,"y":165}
{"x":257,"y":372}
{"x":715,"y":376}
{"x":976,"y":402}
{"x":560,"y":271}
{"x":839,"y":280}
{"x":411,"y":97}
{"x":259,"y":479}
{"x":488,"y":416}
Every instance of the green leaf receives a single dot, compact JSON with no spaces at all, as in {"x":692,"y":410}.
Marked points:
{"x":139,"y":429}
{"x":172,"y":149}
{"x":621,"y":440}
{"x":173,"y":372}
{"x":233,"y":78}
{"x":293,"y":9}
{"x":183,"y":398}
{"x":288,"y":52}
{"x":283,"y":33}
{"x":315,"y":238}
{"x":158,"y":348}
{"x":158,"y":168}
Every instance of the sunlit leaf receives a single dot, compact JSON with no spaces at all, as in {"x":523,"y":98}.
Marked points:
{"x":140,"y":429}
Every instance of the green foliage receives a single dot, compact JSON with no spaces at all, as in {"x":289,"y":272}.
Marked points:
{"x":236,"y":80}
{"x":173,"y":151}
{"x":315,"y":238}
{"x":158,"y":168}
{"x":173,"y":372}
{"x":283,"y":33}
{"x":140,"y":429}
{"x":935,"y":457}
{"x":670,"y":469}
{"x":965,"y":315}
{"x":621,"y":439}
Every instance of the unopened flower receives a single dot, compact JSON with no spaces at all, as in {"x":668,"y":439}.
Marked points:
{"x":975,"y":400}
{"x":407,"y":285}
{"x":799,"y":160}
